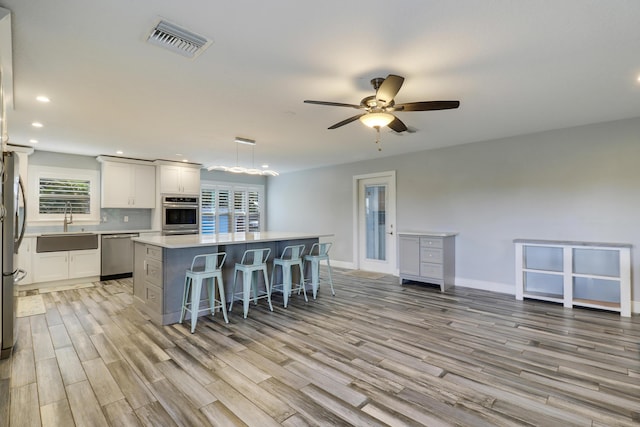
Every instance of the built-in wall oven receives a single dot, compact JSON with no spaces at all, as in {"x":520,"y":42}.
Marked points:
{"x":180,"y":214}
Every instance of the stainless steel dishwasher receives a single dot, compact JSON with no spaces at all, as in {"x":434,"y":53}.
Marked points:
{"x":116,"y":255}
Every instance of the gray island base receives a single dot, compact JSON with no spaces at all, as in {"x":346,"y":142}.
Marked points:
{"x":160,"y":263}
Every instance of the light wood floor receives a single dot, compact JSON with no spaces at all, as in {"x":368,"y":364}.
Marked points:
{"x":375,"y":354}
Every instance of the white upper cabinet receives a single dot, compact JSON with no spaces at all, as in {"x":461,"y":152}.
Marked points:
{"x":179,"y":179}
{"x":144,"y":186}
{"x":128,"y":184}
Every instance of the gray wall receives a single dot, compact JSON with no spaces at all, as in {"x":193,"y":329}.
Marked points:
{"x":62,"y":160}
{"x":571,"y":184}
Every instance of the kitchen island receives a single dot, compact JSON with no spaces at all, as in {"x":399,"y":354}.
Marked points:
{"x":160,"y":263}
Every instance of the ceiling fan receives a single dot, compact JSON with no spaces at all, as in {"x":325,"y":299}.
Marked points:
{"x":378,"y":108}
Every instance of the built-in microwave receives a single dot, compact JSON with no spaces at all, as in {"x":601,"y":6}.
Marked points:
{"x":180,"y":214}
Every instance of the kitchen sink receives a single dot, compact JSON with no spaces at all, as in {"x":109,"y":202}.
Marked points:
{"x":66,"y":242}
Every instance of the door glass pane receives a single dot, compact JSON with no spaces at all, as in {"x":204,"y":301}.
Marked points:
{"x":375,"y":219}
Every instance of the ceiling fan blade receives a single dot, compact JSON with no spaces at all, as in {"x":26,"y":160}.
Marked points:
{"x":397,"y":125}
{"x":427,"y":106}
{"x":389,"y":88}
{"x":347,"y":121}
{"x":333,"y":104}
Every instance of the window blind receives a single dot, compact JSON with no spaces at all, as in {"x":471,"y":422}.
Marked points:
{"x":56,"y":193}
{"x":208,"y":210}
{"x":230,"y":209}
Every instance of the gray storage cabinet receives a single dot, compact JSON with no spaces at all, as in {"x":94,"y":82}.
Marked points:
{"x":428,"y":257}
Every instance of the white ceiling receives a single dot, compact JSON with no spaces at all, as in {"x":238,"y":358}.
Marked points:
{"x":516,"y":66}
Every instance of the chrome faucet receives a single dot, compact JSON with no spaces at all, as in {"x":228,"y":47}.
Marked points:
{"x":66,"y":222}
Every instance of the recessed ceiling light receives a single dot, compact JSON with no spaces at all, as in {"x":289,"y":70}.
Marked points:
{"x":178,"y":154}
{"x":265,"y":166}
{"x":185,"y":160}
{"x":119,"y":152}
{"x":36,"y":124}
{"x":33,"y":141}
{"x":42,"y":98}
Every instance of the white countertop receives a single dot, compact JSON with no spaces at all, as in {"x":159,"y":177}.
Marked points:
{"x":572,"y":243}
{"x":100,"y":232}
{"x":428,"y":233}
{"x":195,"y":240}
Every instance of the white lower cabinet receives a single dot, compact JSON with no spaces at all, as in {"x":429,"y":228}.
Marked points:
{"x":51,"y":266}
{"x":84,"y":263}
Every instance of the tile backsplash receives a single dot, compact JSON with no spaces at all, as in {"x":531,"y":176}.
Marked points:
{"x":110,"y":219}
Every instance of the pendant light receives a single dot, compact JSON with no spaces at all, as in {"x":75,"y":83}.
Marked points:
{"x":241,"y":169}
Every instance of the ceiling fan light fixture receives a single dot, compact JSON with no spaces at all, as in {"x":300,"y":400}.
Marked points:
{"x":377,"y":119}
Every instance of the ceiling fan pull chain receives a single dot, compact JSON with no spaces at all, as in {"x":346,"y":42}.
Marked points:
{"x":378,"y":138}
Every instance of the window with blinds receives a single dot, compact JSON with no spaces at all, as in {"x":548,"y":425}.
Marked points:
{"x":230,"y":209}
{"x":52,"y":190}
{"x":58,"y":195}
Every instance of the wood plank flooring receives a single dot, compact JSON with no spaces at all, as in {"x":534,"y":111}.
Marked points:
{"x":378,"y":353}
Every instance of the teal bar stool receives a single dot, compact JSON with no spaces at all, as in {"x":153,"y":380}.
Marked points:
{"x":291,"y":257}
{"x":253,"y":261}
{"x":204,"y":268}
{"x":319,"y":252}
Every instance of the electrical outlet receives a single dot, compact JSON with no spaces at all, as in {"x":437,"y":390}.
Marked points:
{"x":104,"y":218}
{"x":126,"y":218}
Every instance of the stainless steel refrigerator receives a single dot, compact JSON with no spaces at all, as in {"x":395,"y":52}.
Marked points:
{"x":13,"y":217}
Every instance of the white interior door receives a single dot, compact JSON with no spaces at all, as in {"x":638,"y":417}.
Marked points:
{"x":376,"y":223}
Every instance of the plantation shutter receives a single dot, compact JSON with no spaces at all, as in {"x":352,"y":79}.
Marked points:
{"x":239,"y":211}
{"x":55,"y":194}
{"x":208,"y":210}
{"x":223,"y":212}
{"x":230,"y":209}
{"x":254,"y":210}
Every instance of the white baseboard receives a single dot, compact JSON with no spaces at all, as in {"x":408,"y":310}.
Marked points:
{"x":506,"y":288}
{"x":503,"y":288}
{"x":57,"y":283}
{"x":342,"y":264}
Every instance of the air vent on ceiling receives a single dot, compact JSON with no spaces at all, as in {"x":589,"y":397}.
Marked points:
{"x":178,"y":40}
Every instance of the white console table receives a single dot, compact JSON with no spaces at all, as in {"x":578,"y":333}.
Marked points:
{"x":427,"y":257}
{"x":586,"y":274}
